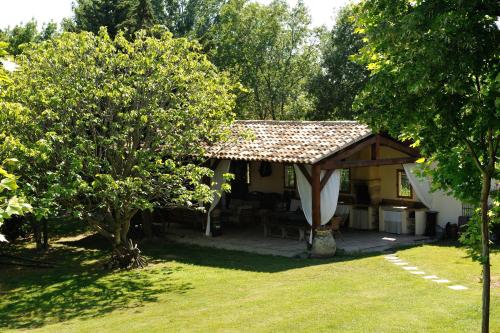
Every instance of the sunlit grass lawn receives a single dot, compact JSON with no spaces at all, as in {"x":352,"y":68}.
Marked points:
{"x":208,"y":290}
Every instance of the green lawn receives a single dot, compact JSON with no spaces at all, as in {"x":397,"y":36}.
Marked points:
{"x":208,"y":290}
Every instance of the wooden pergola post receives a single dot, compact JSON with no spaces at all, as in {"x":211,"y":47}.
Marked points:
{"x":316,"y":196}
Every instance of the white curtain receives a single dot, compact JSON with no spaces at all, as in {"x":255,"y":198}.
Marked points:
{"x":216,"y":184}
{"x":421,"y":186}
{"x":329,"y":194}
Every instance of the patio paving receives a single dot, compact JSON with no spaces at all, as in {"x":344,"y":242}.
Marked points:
{"x":253,"y":240}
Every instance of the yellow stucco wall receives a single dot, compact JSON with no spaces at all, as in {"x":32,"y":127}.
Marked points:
{"x":273,"y":183}
{"x":381,"y":179}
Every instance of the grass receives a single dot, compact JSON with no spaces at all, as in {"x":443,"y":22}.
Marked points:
{"x":208,"y":290}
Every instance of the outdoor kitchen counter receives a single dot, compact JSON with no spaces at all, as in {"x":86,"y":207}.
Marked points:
{"x":396,"y":219}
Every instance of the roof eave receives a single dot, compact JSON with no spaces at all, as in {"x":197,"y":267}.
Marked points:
{"x":319,"y":159}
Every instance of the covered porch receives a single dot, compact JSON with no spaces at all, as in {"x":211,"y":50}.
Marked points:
{"x":310,"y":174}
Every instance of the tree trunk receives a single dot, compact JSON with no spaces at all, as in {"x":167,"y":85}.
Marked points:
{"x":125,"y":226}
{"x":37,"y":232}
{"x":485,"y":252}
{"x":45,"y":233}
{"x":117,"y":239}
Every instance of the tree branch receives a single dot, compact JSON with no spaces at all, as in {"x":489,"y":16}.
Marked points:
{"x":474,"y":155}
{"x":101,"y":230}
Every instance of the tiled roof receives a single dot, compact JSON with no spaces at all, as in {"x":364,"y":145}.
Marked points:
{"x":289,"y":141}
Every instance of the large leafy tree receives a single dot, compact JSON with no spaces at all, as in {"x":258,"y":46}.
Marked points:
{"x":341,"y":78}
{"x":106,"y":127}
{"x":435,"y":79}
{"x":268,"y":48}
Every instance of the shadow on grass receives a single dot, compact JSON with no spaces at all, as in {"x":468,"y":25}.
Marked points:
{"x":237,"y":260}
{"x":66,"y":226}
{"x":159,"y":250}
{"x":35,"y":297}
{"x":93,"y":242}
{"x":494,"y":248}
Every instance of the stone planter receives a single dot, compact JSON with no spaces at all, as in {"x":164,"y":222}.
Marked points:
{"x":323,"y":245}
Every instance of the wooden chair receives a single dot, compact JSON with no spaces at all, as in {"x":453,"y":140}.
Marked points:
{"x":335,"y":223}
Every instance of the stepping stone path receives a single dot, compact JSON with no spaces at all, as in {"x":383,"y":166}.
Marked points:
{"x":457,"y":287}
{"x":410,"y":268}
{"x":414,"y":270}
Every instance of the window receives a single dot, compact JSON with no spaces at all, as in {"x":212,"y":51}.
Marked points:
{"x":289,"y":176}
{"x":345,"y":180}
{"x":404,"y":186}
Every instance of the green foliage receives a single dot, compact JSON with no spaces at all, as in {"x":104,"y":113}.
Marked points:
{"x":434,"y":80}
{"x":108,"y":127}
{"x":91,"y":15}
{"x":142,"y":15}
{"x":268,"y":48}
{"x":341,"y":79}
{"x":4,"y":79}
{"x":129,"y":16}
{"x":10,"y":203}
{"x":22,"y":34}
{"x":189,"y":18}
{"x":471,"y":237}
{"x":68,"y":24}
{"x":184,"y":18}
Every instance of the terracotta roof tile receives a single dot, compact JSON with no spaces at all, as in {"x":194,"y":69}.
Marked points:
{"x":289,"y":141}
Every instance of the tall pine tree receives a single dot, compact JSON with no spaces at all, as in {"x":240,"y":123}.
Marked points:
{"x":115,"y":15}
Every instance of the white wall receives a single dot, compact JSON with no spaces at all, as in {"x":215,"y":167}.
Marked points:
{"x":448,"y":208}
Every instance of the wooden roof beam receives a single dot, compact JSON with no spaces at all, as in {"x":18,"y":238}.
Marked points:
{"x":366,"y":163}
{"x":306,"y":174}
{"x":326,"y":178}
{"x":351,"y":150}
{"x":391,"y":143}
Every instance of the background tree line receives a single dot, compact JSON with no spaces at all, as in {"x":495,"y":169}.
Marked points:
{"x":287,"y":68}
